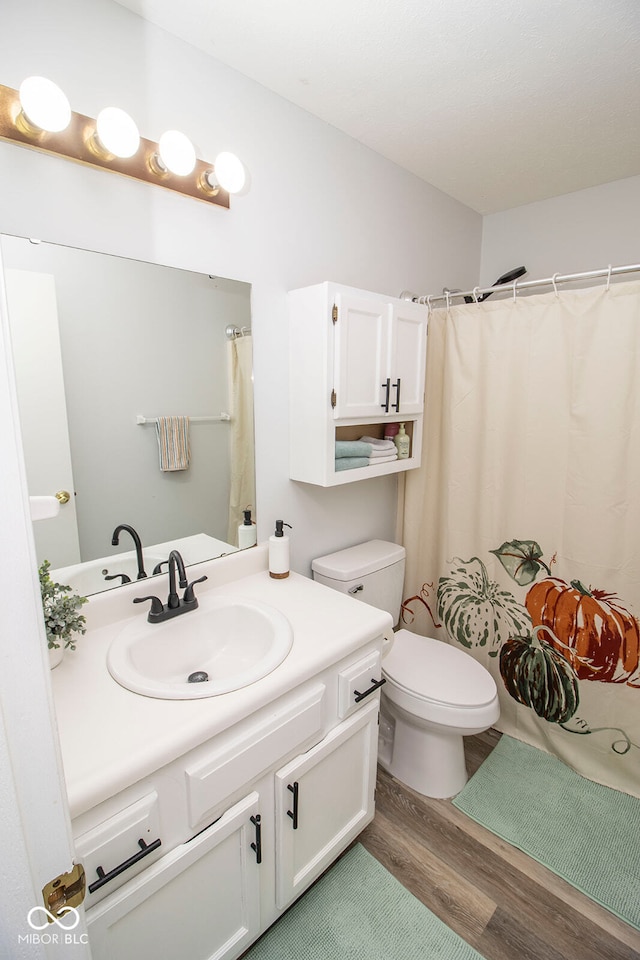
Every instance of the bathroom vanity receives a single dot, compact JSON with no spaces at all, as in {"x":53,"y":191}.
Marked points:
{"x":198,"y":821}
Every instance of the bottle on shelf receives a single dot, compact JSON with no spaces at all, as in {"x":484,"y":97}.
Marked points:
{"x":402,"y":441}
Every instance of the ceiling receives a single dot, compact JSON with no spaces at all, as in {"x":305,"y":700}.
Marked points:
{"x":497,"y":103}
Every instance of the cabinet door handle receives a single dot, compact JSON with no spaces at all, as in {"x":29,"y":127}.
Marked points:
{"x":257,"y":846}
{"x":387,"y":387}
{"x":145,"y":850}
{"x":396,"y":387}
{"x":357,"y":696}
{"x":294,"y":813}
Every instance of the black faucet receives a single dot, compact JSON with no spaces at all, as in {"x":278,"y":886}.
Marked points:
{"x":175,"y":605}
{"x":115,"y":540}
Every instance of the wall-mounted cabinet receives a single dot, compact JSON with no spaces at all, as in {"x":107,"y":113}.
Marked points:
{"x":357,"y":362}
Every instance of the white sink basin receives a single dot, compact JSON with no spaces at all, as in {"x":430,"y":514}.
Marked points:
{"x":233,"y":641}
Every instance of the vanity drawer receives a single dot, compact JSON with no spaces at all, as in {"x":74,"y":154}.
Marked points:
{"x":361,"y":677}
{"x":120,"y":847}
{"x":213,"y":780}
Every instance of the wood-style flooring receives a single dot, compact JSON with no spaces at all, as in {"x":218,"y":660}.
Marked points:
{"x":498,"y":899}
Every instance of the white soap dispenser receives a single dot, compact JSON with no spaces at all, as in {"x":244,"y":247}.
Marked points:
{"x":247,"y":536}
{"x":402,"y":441}
{"x":279,"y":552}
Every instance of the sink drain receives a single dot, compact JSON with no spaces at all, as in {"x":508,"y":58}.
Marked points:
{"x":198,"y":677}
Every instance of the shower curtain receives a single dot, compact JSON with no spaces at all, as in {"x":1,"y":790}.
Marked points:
{"x":242,"y":491}
{"x":522,"y":527}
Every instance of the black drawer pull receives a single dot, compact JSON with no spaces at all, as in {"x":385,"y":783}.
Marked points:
{"x":257,"y":846}
{"x":294,"y":813}
{"x":145,"y":850}
{"x":375,"y":684}
{"x":396,"y":387}
{"x":387,"y":387}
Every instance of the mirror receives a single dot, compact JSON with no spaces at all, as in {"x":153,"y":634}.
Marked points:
{"x":99,"y":342}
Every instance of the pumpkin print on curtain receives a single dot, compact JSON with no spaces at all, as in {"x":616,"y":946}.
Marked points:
{"x":532,"y":425}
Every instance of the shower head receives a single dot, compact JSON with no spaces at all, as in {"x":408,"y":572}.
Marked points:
{"x":505,"y":278}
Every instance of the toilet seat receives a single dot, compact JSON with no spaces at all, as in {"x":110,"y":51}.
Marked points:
{"x":436,"y":673}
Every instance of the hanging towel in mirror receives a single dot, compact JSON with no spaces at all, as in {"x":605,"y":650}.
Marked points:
{"x":173,"y":443}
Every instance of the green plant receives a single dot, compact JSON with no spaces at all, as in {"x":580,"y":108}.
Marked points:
{"x":60,"y":608}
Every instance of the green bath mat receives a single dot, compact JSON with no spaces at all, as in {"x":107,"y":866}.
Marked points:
{"x":359,"y":911}
{"x":586,"y":833}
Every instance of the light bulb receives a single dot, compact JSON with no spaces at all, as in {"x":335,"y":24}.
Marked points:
{"x":117,"y":133}
{"x":177,"y":153}
{"x":229,"y":172}
{"x":44,"y":105}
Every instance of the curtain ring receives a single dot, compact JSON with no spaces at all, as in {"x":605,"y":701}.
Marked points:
{"x":608,"y":279}
{"x":555,"y":286}
{"x":515,"y":282}
{"x":475,"y":293}
{"x":429,"y":305}
{"x":448,"y":299}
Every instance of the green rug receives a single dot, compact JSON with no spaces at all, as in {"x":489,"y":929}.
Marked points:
{"x":586,"y":833}
{"x":359,"y":911}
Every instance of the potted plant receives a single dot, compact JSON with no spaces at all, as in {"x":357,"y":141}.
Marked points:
{"x":61,"y":614}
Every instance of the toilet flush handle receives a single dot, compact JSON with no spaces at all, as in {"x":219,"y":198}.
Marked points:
{"x":356,"y":589}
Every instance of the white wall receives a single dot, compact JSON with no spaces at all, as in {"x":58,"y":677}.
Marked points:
{"x":321,"y":206}
{"x":580,"y":231}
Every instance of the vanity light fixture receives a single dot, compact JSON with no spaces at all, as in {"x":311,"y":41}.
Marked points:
{"x":116,"y":134}
{"x":38,"y":115}
{"x":43,"y":107}
{"x":176,"y":154}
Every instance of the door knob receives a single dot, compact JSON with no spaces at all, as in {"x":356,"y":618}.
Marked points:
{"x":63,"y":496}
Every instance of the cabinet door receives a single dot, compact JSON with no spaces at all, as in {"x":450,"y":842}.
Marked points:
{"x":324,"y":799}
{"x":408,"y":358}
{"x":361,"y":356}
{"x":199,"y":902}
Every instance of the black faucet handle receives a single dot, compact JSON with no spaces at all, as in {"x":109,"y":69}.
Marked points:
{"x":156,"y":604}
{"x":189,"y":595}
{"x":115,"y":576}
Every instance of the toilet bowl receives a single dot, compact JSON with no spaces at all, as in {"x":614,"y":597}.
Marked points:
{"x":434,"y":694}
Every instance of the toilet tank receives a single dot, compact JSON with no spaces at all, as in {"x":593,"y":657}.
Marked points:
{"x":371,"y":571}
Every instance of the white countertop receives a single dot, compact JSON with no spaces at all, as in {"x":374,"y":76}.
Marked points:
{"x":110,"y":738}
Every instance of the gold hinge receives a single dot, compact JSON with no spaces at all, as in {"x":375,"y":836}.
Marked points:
{"x":334,"y":399}
{"x":334,"y":313}
{"x":67,"y":890}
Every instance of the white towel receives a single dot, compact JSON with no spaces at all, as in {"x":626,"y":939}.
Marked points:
{"x":381,"y":452}
{"x":387,"y":445}
{"x":173,"y":443}
{"x":373,"y":461}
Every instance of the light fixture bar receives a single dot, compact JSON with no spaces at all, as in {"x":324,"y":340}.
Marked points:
{"x":73,"y":144}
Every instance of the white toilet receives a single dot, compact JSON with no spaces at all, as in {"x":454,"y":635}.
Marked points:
{"x":434,"y":695}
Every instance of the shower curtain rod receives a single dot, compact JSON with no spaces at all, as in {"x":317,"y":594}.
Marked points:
{"x":528,"y":284}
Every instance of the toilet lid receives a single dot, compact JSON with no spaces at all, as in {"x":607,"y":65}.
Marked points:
{"x":437,"y":671}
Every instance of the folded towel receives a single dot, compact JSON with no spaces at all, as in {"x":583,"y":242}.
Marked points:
{"x":379,"y":444}
{"x":351,"y":463}
{"x":352,"y":448}
{"x":173,"y":443}
{"x":378,"y":452}
{"x":373,"y":461}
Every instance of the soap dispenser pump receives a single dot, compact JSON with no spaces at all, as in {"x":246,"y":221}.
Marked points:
{"x":247,"y":536}
{"x":279,"y":552}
